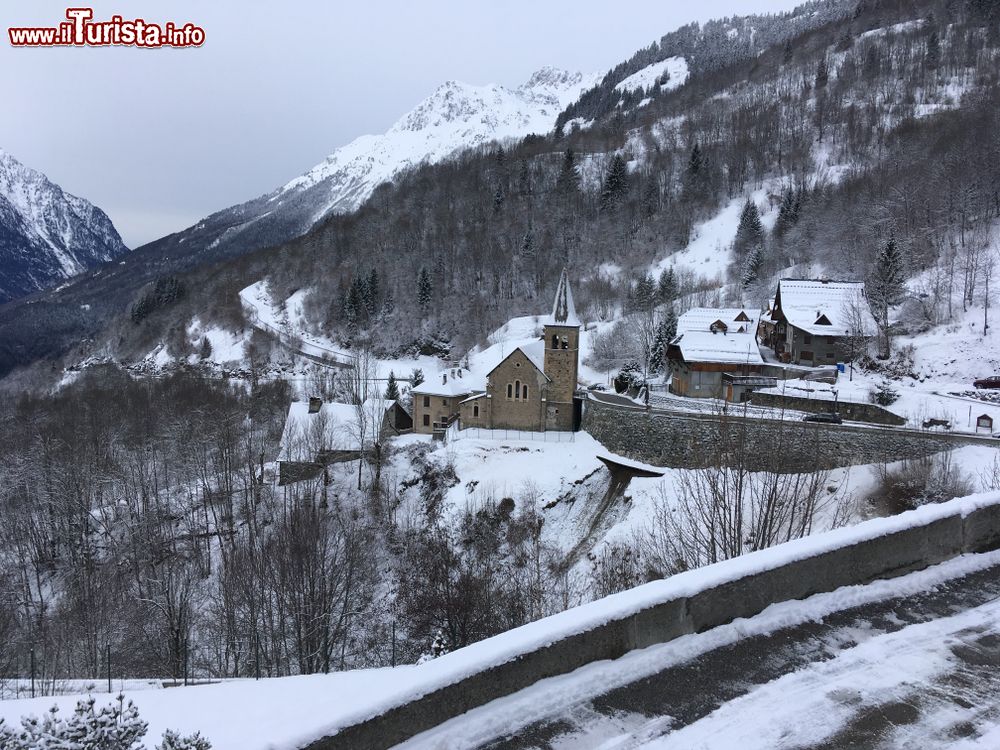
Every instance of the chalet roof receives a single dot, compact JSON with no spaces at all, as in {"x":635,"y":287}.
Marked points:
{"x":563,"y":309}
{"x":737,"y":320}
{"x":718,"y":348}
{"x":334,"y":427}
{"x":824,"y":308}
{"x":450,"y":383}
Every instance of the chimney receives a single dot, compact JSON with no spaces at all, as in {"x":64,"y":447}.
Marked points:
{"x":444,"y":379}
{"x":315,"y":402}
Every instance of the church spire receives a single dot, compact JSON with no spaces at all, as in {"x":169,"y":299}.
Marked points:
{"x":563,"y":310}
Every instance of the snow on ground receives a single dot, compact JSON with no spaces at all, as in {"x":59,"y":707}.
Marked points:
{"x":226,"y":346}
{"x":677,"y":67}
{"x":917,"y":402}
{"x":834,"y":692}
{"x":276,"y":714}
{"x":555,"y":695}
{"x":708,"y":253}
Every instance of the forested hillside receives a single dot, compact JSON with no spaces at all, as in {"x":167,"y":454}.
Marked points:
{"x":855,"y":131}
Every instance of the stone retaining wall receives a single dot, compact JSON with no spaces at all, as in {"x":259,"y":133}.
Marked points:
{"x":852,"y":410}
{"x":698,"y":440}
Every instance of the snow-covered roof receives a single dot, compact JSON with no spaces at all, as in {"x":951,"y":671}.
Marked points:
{"x":534,"y":351}
{"x":450,"y":383}
{"x":824,"y":308}
{"x":334,"y":427}
{"x":719,"y":348}
{"x":737,"y":320}
{"x":563,"y":309}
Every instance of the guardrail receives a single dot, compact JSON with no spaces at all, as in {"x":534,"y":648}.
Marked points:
{"x":690,"y":602}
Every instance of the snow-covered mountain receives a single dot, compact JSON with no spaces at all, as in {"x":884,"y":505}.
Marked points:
{"x":455,"y":117}
{"x":46,"y":234}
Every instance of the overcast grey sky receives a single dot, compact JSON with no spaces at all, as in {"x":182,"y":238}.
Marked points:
{"x":161,"y":138}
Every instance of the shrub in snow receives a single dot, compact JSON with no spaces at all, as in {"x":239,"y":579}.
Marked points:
{"x":884,"y":394}
{"x":173,"y":741}
{"x":629,"y":377}
{"x":114,"y":727}
{"x":921,"y":481}
{"x":439,"y":647}
{"x":110,"y":728}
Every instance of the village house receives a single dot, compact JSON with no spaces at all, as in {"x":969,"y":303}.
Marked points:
{"x":319,"y":433}
{"x":533,"y":387}
{"x":715,"y":355}
{"x":436,"y":400}
{"x":815,"y":321}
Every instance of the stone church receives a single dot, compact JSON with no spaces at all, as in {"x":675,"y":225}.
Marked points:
{"x":532,"y":388}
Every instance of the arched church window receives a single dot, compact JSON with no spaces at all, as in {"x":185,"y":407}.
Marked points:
{"x":565,"y":343}
{"x":517,"y":389}
{"x":475,"y":410}
{"x":555,"y":341}
{"x":510,"y":390}
{"x":525,"y":391}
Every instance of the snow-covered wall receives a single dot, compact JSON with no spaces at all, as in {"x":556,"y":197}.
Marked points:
{"x":690,"y":602}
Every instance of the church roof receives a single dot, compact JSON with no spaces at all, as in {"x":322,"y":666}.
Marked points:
{"x":535,"y":353}
{"x":563,"y":310}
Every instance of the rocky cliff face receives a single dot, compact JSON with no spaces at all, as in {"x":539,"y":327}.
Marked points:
{"x":46,"y":234}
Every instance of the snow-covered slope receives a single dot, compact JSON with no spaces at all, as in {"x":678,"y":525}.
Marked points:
{"x":455,"y":117}
{"x":676,"y":69}
{"x":46,"y":234}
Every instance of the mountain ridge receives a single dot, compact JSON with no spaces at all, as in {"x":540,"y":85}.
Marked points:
{"x":46,"y":234}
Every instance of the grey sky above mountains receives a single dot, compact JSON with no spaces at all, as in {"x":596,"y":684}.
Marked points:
{"x":162,"y":138}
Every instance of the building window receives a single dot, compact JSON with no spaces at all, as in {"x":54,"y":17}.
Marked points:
{"x":517,"y":389}
{"x":427,"y":420}
{"x":427,"y":402}
{"x":555,"y":341}
{"x":444,"y":402}
{"x":565,"y":343}
{"x":525,"y":392}
{"x":510,"y":391}
{"x":475,"y":410}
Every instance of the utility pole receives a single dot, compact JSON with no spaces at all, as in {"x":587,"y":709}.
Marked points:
{"x":107,"y":651}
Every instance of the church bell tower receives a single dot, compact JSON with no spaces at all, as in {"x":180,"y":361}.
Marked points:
{"x":562,"y":357}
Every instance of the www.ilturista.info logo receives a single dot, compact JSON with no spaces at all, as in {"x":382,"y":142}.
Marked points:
{"x":80,"y":30}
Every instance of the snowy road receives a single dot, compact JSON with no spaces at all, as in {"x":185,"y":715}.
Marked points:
{"x":911,"y":662}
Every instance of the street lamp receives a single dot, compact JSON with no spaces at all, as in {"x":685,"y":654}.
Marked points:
{"x":850,"y":338}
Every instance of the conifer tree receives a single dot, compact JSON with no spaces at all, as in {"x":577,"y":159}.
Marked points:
{"x":371,"y":291}
{"x":668,"y":285}
{"x":752,"y":267}
{"x":933,"y":50}
{"x":615,"y":183}
{"x":499,"y":198}
{"x":392,"y":387}
{"x":424,"y":290}
{"x":750,"y":232}
{"x":788,"y":213}
{"x":646,"y":293}
{"x":886,"y":286}
{"x":416,"y":377}
{"x":822,"y":73}
{"x":568,"y":181}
